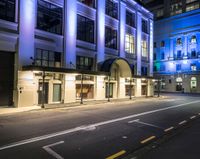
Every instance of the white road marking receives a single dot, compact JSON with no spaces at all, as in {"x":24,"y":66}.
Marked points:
{"x":168,"y":129}
{"x":192,"y":117}
{"x":183,"y":122}
{"x":140,"y":122}
{"x":85,"y":127}
{"x":51,"y":152}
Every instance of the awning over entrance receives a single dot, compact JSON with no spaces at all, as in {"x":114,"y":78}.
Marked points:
{"x":121,"y":64}
{"x":62,"y":70}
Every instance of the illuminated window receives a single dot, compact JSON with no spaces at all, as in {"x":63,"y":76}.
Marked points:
{"x":179,"y":41}
{"x":90,"y":3}
{"x":144,"y":48}
{"x":112,"y":8}
{"x":49,"y":17}
{"x":110,"y":38}
{"x":130,"y":18}
{"x":7,"y":10}
{"x":176,"y":8}
{"x":193,"y":6}
{"x":193,"y":82}
{"x":85,"y":29}
{"x":84,"y":63}
{"x":47,"y":58}
{"x":193,"y":67}
{"x":159,"y":13}
{"x":130,"y":44}
{"x":194,"y":39}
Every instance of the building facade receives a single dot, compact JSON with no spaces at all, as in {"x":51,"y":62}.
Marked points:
{"x":63,"y":51}
{"x":177,"y":52}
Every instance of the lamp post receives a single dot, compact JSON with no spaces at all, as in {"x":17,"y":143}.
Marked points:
{"x":108,"y":89}
{"x":81,"y":89}
{"x":158,"y":87}
{"x":130,"y":89}
{"x":43,"y":89}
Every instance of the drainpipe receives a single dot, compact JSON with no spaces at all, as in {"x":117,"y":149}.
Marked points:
{"x":81,"y":89}
{"x":108,"y":90}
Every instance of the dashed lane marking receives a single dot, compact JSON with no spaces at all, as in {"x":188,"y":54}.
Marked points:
{"x":148,"y":139}
{"x":182,"y":122}
{"x":169,"y":129}
{"x":117,"y":155}
{"x":192,"y":117}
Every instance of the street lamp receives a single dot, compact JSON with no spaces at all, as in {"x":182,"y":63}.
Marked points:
{"x":43,"y":89}
{"x":130,"y":89}
{"x":81,"y":89}
{"x":158,"y":84}
{"x":108,"y":89}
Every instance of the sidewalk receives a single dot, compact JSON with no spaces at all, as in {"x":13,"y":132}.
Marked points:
{"x":13,"y":110}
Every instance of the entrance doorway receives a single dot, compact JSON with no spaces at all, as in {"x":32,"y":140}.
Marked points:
{"x":46,"y":93}
{"x":179,"y":84}
{"x":109,"y":90}
{"x":6,"y":78}
{"x":144,"y":90}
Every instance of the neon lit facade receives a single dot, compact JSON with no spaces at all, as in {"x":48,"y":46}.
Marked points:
{"x":53,"y":65}
{"x":177,"y":52}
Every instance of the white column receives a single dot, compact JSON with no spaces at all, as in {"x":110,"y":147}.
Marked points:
{"x":151,"y":49}
{"x":70,"y":88}
{"x":27,"y":18}
{"x":100,"y":30}
{"x":185,"y":47}
{"x":70,"y":21}
{"x":150,"y":88}
{"x":100,"y":88}
{"x":122,"y":28}
{"x":139,"y":39}
{"x":171,"y":55}
{"x":138,"y":87}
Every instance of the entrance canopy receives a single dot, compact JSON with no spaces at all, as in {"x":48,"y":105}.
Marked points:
{"x":121,"y":64}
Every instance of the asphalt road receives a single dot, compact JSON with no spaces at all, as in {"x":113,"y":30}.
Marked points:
{"x":94,"y":132}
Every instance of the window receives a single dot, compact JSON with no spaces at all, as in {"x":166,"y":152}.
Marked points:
{"x":47,"y":58}
{"x":144,"y":71}
{"x":193,"y":54}
{"x":159,"y":13}
{"x":144,"y":48}
{"x":193,"y":82}
{"x":144,"y":26}
{"x":178,"y":67}
{"x":193,"y":39}
{"x":162,"y":68}
{"x":179,"y":54}
{"x":112,"y":8}
{"x":162,"y":44}
{"x":130,"y":44}
{"x":56,"y":92}
{"x":49,"y":17}
{"x":193,"y":6}
{"x":170,"y":81}
{"x":162,"y":56}
{"x":176,"y":8}
{"x":84,"y":63}
{"x":130,"y":18}
{"x":7,"y":10}
{"x":110,"y":38}
{"x":154,"y":45}
{"x":85,"y":29}
{"x":154,"y":56}
{"x":90,"y":3}
{"x":193,"y":67}
{"x":155,"y":69}
{"x":179,"y":41}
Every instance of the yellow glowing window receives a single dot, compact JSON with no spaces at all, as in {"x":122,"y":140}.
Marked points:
{"x":144,"y":48}
{"x":130,"y":44}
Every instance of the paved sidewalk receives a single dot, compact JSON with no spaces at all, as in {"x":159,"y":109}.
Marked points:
{"x":75,"y":105}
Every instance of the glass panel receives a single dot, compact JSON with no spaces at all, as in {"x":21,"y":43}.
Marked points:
{"x":56,"y":92}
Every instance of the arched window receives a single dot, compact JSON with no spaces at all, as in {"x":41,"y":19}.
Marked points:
{"x":193,"y":39}
{"x":193,"y":82}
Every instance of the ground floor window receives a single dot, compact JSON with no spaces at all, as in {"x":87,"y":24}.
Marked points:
{"x":179,"y":84}
{"x":87,"y":90}
{"x":109,"y":90}
{"x":130,"y":89}
{"x":144,"y":90}
{"x":56,"y":92}
{"x":193,"y":82}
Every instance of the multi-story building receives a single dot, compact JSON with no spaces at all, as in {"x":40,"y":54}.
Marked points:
{"x":61,"y":51}
{"x":177,"y":44}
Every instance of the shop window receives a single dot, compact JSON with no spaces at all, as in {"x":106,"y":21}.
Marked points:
{"x":85,"y":29}
{"x":56,"y":92}
{"x":86,"y":89}
{"x":49,"y":17}
{"x":47,"y":58}
{"x":7,"y":10}
{"x":84,"y":63}
{"x":193,"y":82}
{"x":129,"y":90}
{"x":110,"y":38}
{"x":112,"y":8}
{"x":130,"y":44}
